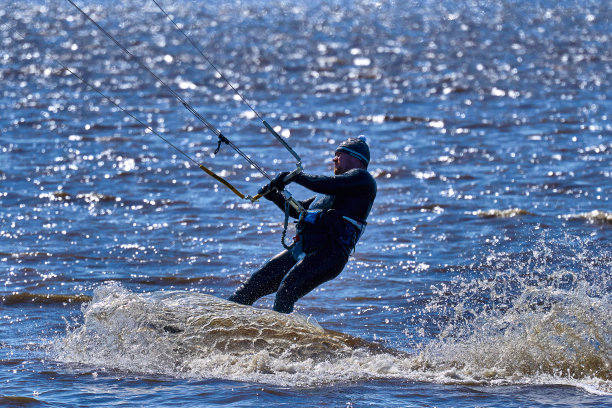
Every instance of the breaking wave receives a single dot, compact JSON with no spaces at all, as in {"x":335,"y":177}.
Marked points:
{"x":188,"y":334}
{"x":549,"y":335}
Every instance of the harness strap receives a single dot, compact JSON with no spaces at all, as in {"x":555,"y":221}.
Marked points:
{"x":361,"y":226}
{"x":356,"y":224}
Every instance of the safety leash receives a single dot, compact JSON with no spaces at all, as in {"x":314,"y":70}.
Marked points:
{"x":285,"y":226}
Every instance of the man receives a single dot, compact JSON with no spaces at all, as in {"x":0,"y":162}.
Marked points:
{"x":326,"y":233}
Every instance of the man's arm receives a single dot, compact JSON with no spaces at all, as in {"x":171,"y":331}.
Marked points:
{"x":352,"y":182}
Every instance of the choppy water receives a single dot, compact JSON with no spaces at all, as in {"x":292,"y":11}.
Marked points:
{"x":484,"y":278}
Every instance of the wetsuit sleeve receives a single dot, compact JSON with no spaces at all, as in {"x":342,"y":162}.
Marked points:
{"x":352,"y":182}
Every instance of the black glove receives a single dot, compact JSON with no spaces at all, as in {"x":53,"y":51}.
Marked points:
{"x":278,"y":182}
{"x":265,"y":190}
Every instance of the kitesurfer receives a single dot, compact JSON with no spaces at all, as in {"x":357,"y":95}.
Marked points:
{"x":326,"y":233}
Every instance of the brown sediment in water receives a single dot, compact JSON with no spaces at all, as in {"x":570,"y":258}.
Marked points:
{"x":42,"y":298}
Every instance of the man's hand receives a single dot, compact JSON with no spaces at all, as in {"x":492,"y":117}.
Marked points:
{"x":264,"y":190}
{"x":277,"y":183}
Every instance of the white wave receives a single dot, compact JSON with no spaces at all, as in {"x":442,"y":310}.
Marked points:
{"x":189,"y":334}
{"x":194,"y":335}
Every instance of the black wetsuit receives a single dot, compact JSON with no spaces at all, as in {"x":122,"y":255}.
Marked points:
{"x":326,"y":236}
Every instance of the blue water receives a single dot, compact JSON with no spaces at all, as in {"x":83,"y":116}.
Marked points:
{"x":484,"y":277}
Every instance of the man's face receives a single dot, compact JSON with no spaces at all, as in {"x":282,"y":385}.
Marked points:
{"x":344,"y":162}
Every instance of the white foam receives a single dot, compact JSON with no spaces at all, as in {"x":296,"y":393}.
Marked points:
{"x":189,"y":334}
{"x":193,"y":335}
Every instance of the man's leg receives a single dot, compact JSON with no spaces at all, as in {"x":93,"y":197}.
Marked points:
{"x":315,"y":269}
{"x":265,"y":281}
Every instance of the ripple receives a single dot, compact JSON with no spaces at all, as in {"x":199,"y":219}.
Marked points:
{"x":507,"y":213}
{"x":595,"y":216}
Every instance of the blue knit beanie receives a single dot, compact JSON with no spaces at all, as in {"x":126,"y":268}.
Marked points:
{"x":356,"y":147}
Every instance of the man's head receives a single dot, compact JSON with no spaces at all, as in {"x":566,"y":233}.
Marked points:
{"x":353,"y":153}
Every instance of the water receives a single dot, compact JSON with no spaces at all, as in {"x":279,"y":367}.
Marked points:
{"x":483,"y":278}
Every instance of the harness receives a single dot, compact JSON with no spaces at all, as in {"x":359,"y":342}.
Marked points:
{"x":317,"y":228}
